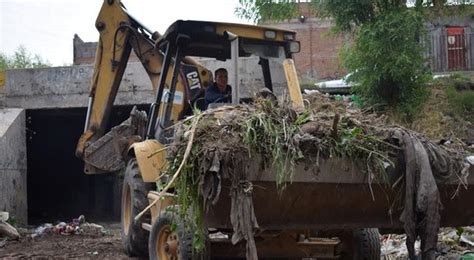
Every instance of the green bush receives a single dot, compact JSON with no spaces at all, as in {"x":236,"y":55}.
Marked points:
{"x":22,"y":59}
{"x":460,"y":101}
{"x":387,"y":62}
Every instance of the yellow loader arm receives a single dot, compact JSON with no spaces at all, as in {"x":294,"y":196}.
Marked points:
{"x":119,"y":34}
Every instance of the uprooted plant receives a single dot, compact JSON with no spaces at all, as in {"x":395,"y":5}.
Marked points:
{"x":269,"y":133}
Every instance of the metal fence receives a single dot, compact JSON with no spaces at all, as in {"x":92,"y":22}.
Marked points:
{"x":448,"y":52}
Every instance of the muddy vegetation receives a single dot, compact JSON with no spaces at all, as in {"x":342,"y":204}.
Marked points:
{"x":222,"y":143}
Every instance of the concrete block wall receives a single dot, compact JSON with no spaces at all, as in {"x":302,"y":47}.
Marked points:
{"x":67,"y":87}
{"x":13,"y":197}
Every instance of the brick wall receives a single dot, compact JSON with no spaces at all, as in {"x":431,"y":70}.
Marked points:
{"x":83,"y":52}
{"x":319,"y":55}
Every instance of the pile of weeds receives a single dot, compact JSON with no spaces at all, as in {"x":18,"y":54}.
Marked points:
{"x":265,"y":132}
{"x":221,"y":143}
{"x":269,"y":132}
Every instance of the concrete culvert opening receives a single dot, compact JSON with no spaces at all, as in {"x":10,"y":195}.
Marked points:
{"x":57,"y":187}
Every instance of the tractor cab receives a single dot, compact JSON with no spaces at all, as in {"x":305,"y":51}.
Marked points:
{"x":256,"y":58}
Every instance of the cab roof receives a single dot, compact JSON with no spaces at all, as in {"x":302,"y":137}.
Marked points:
{"x":210,"y":39}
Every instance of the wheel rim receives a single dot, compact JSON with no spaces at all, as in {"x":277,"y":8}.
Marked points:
{"x":127,"y":209}
{"x":167,"y":244}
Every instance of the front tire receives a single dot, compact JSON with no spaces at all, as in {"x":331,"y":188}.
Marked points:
{"x":134,"y":200}
{"x":169,"y":239}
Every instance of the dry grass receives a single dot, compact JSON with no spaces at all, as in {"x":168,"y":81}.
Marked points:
{"x":438,"y":119}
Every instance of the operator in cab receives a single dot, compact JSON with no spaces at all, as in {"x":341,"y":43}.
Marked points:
{"x":219,"y":91}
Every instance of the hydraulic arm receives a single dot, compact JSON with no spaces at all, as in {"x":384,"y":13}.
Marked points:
{"x":119,"y":34}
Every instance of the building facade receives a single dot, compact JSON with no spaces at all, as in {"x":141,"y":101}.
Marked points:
{"x":450,"y":44}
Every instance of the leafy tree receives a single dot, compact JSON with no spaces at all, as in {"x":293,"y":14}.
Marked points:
{"x":22,"y":59}
{"x":265,"y":10}
{"x":386,"y":57}
{"x":387,"y":61}
{"x":4,"y":62}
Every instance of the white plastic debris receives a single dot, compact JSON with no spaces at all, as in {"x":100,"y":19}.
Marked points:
{"x":470,"y":159}
{"x":91,"y":229}
{"x":41,"y":230}
{"x":4,"y":216}
{"x":467,"y":240}
{"x":311,"y":91}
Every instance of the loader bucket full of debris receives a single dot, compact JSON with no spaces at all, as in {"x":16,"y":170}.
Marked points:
{"x":225,"y":153}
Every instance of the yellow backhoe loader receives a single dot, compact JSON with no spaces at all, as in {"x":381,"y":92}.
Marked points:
{"x":327,"y":214}
{"x":178,"y":82}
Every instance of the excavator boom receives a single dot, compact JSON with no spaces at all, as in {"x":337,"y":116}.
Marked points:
{"x":119,"y":34}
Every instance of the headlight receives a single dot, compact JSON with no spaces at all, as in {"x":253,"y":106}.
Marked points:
{"x":270,"y":34}
{"x":209,"y":28}
{"x":289,"y":36}
{"x":294,"y":47}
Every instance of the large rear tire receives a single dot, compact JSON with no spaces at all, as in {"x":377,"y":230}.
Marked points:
{"x":366,"y":243}
{"x":134,"y":200}
{"x":357,"y":244}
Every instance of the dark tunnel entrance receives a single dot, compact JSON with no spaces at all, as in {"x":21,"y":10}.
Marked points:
{"x":57,"y":188}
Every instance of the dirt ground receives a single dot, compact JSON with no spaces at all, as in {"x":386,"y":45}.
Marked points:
{"x":108,"y":246}
{"x":59,"y":246}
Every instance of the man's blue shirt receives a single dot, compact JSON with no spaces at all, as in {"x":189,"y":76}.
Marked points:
{"x":213,"y":95}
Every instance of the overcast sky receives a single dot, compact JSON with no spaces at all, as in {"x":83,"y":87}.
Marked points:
{"x":47,"y":27}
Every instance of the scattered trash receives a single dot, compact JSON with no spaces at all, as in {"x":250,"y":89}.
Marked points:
{"x":8,"y":231}
{"x":393,"y":246}
{"x":467,"y":240}
{"x":453,"y":243}
{"x":41,"y":230}
{"x":3,"y":242}
{"x":78,"y":226}
{"x":91,"y":229}
{"x":4,"y":216}
{"x":218,"y":235}
{"x":311,"y":91}
{"x":470,"y":159}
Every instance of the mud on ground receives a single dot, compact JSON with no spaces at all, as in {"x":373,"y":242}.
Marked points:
{"x":58,"y":246}
{"x":109,"y":246}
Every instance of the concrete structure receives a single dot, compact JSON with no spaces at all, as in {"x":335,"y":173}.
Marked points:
{"x":51,"y":104}
{"x":13,"y":164}
{"x":66,"y":87}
